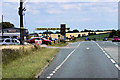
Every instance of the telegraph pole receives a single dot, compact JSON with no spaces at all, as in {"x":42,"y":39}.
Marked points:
{"x":2,"y":25}
{"x":21,"y":9}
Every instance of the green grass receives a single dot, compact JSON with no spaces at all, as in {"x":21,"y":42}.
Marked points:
{"x":97,"y":36}
{"x":59,"y":44}
{"x":30,"y":65}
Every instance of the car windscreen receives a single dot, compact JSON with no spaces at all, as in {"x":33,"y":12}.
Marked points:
{"x":7,"y":40}
{"x":116,"y":37}
{"x":30,"y":38}
{"x":44,"y":38}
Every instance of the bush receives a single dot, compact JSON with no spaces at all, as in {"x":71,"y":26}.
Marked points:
{"x":9,"y":55}
{"x":63,"y":41}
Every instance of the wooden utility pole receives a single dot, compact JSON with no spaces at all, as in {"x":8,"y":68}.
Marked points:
{"x":21,"y":9}
{"x":2,"y":25}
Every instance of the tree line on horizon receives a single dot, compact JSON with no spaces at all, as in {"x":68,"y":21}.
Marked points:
{"x":91,"y":32}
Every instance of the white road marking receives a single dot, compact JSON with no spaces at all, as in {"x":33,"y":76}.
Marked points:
{"x":87,"y":48}
{"x":112,"y":61}
{"x":104,"y":51}
{"x":117,"y":66}
{"x":48,"y":77}
{"x":51,"y":74}
{"x":63,"y":61}
{"x":108,"y":56}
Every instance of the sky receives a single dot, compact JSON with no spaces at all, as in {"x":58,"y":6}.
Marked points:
{"x":76,"y":15}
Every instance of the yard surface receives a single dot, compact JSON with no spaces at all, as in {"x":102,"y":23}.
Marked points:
{"x":28,"y":66}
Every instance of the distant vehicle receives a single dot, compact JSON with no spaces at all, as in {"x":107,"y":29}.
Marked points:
{"x":104,"y":39}
{"x":52,"y":39}
{"x":116,"y":39}
{"x":9,"y":41}
{"x":44,"y":40}
{"x":94,"y":39}
{"x":88,"y":39}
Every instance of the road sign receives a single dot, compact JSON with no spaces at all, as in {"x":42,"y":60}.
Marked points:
{"x":51,"y":28}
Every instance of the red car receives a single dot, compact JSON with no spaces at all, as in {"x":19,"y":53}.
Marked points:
{"x":44,"y":41}
{"x":116,"y":39}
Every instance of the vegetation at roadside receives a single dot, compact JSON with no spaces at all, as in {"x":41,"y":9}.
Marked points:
{"x":62,"y":43}
{"x":114,"y":33}
{"x":59,"y":44}
{"x":97,"y":36}
{"x":25,"y":63}
{"x":7,"y":25}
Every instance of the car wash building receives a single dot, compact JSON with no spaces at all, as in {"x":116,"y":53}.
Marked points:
{"x":13,"y":32}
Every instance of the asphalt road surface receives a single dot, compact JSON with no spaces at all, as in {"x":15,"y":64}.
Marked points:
{"x":86,"y":59}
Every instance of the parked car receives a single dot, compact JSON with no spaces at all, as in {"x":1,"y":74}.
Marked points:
{"x":115,"y":39}
{"x":104,"y":39}
{"x":94,"y":39}
{"x":87,"y":39}
{"x":9,"y":41}
{"x":44,"y":40}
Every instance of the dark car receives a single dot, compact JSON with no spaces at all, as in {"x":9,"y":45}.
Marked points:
{"x":94,"y":39}
{"x":44,"y":40}
{"x":104,"y":39}
{"x":88,"y":39}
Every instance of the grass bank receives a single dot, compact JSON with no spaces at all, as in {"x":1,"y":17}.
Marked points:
{"x":26,"y":64}
{"x":59,"y":44}
{"x":97,"y":36}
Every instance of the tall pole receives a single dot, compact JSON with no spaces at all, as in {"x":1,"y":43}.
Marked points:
{"x":2,"y":25}
{"x":21,"y":22}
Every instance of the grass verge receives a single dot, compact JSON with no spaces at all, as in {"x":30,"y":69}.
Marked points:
{"x":28,"y":66}
{"x":59,"y":45}
{"x":97,"y":36}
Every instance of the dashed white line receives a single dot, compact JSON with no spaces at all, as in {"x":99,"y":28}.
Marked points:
{"x":113,"y":61}
{"x":117,"y":66}
{"x":87,"y":48}
{"x":51,"y":74}
{"x":48,"y":77}
{"x":108,"y":56}
{"x":54,"y":71}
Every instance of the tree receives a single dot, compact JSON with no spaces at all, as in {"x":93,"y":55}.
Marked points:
{"x":57,"y":32}
{"x":75,"y":31}
{"x":70,"y":32}
{"x":49,"y":32}
{"x":7,"y":25}
{"x":114,"y":33}
{"x":79,"y":35}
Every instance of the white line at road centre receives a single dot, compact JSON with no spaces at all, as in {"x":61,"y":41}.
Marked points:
{"x":111,"y":59}
{"x":87,"y":48}
{"x":58,"y":67}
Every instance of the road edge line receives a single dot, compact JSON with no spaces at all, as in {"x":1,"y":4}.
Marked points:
{"x":108,"y":56}
{"x":58,"y":67}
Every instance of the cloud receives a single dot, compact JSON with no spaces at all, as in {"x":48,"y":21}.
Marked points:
{"x":54,"y":11}
{"x":71,"y":6}
{"x":63,"y":0}
{"x":32,"y":9}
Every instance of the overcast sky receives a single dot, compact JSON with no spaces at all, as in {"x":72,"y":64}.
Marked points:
{"x":77,"y":15}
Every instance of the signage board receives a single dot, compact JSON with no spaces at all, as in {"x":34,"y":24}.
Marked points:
{"x":51,"y":28}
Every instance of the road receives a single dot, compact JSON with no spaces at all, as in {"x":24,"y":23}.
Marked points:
{"x":85,"y":59}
